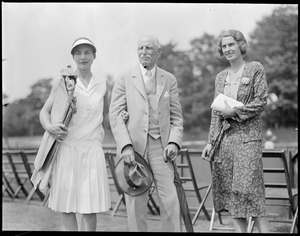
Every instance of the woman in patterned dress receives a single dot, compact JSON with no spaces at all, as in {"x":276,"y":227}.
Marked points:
{"x":235,"y":137}
{"x":79,"y":182}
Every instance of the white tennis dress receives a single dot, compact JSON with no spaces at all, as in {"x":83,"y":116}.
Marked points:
{"x":79,"y":181}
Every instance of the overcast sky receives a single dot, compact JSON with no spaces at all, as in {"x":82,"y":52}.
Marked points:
{"x":37,"y":37}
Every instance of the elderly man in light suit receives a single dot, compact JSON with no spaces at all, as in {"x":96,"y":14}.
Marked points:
{"x":154,"y":129}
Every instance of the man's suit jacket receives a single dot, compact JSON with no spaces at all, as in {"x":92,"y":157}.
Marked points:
{"x":129,"y":94}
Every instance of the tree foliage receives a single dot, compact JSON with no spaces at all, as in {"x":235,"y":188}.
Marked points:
{"x":206,"y":65}
{"x":274,"y":43}
{"x":22,"y":116}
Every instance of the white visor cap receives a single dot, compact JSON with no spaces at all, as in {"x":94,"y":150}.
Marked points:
{"x":81,"y":41}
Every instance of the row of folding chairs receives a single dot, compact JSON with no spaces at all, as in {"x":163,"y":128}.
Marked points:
{"x":17,"y":166}
{"x":280,"y":192}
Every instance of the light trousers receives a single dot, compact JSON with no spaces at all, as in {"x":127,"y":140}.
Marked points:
{"x":167,"y":195}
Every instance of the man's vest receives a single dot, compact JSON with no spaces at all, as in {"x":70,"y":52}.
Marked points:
{"x":153,"y":108}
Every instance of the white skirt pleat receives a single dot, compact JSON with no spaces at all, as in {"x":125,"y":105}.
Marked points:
{"x":79,"y":181}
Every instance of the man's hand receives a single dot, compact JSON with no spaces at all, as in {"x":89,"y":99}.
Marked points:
{"x":125,"y":116}
{"x":128,"y":154}
{"x":170,"y":152}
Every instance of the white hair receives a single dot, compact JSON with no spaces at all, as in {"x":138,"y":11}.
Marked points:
{"x":152,"y":38}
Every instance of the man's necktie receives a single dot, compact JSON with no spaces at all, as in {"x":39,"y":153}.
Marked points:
{"x":148,"y":83}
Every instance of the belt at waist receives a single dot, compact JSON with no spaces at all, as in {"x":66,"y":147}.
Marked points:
{"x":82,"y":144}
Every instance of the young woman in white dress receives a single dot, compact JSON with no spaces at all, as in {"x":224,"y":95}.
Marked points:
{"x":79,"y":182}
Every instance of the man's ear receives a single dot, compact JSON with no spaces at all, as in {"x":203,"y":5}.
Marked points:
{"x":158,"y":53}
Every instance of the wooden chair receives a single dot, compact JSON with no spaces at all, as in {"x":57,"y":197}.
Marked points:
{"x":295,"y":221}
{"x":225,"y":226}
{"x":279,"y":192}
{"x":6,"y":187}
{"x":112,"y":176}
{"x":14,"y":175}
{"x":17,"y":168}
{"x":28,"y":157}
{"x":190,"y":183}
{"x":293,"y":168}
{"x":152,"y":206}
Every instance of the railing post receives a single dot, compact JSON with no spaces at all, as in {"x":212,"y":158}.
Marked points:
{"x":291,"y":169}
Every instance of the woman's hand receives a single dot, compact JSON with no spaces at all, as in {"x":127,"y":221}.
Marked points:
{"x":58,"y":131}
{"x":125,"y":116}
{"x":206,"y":150}
{"x":228,"y":112}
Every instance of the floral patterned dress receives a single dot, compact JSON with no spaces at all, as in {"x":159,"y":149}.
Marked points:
{"x":237,"y":174}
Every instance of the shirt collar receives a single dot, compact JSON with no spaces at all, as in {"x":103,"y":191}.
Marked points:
{"x":92,"y":82}
{"x":143,"y":70}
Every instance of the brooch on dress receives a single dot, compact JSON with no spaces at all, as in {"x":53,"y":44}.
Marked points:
{"x":245,"y":80}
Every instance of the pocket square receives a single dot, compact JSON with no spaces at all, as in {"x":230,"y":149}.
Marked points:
{"x":166,"y":95}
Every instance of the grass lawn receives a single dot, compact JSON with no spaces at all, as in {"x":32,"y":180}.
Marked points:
{"x":285,"y":137}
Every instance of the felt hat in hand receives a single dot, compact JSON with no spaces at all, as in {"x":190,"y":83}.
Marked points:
{"x":136,"y":179}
